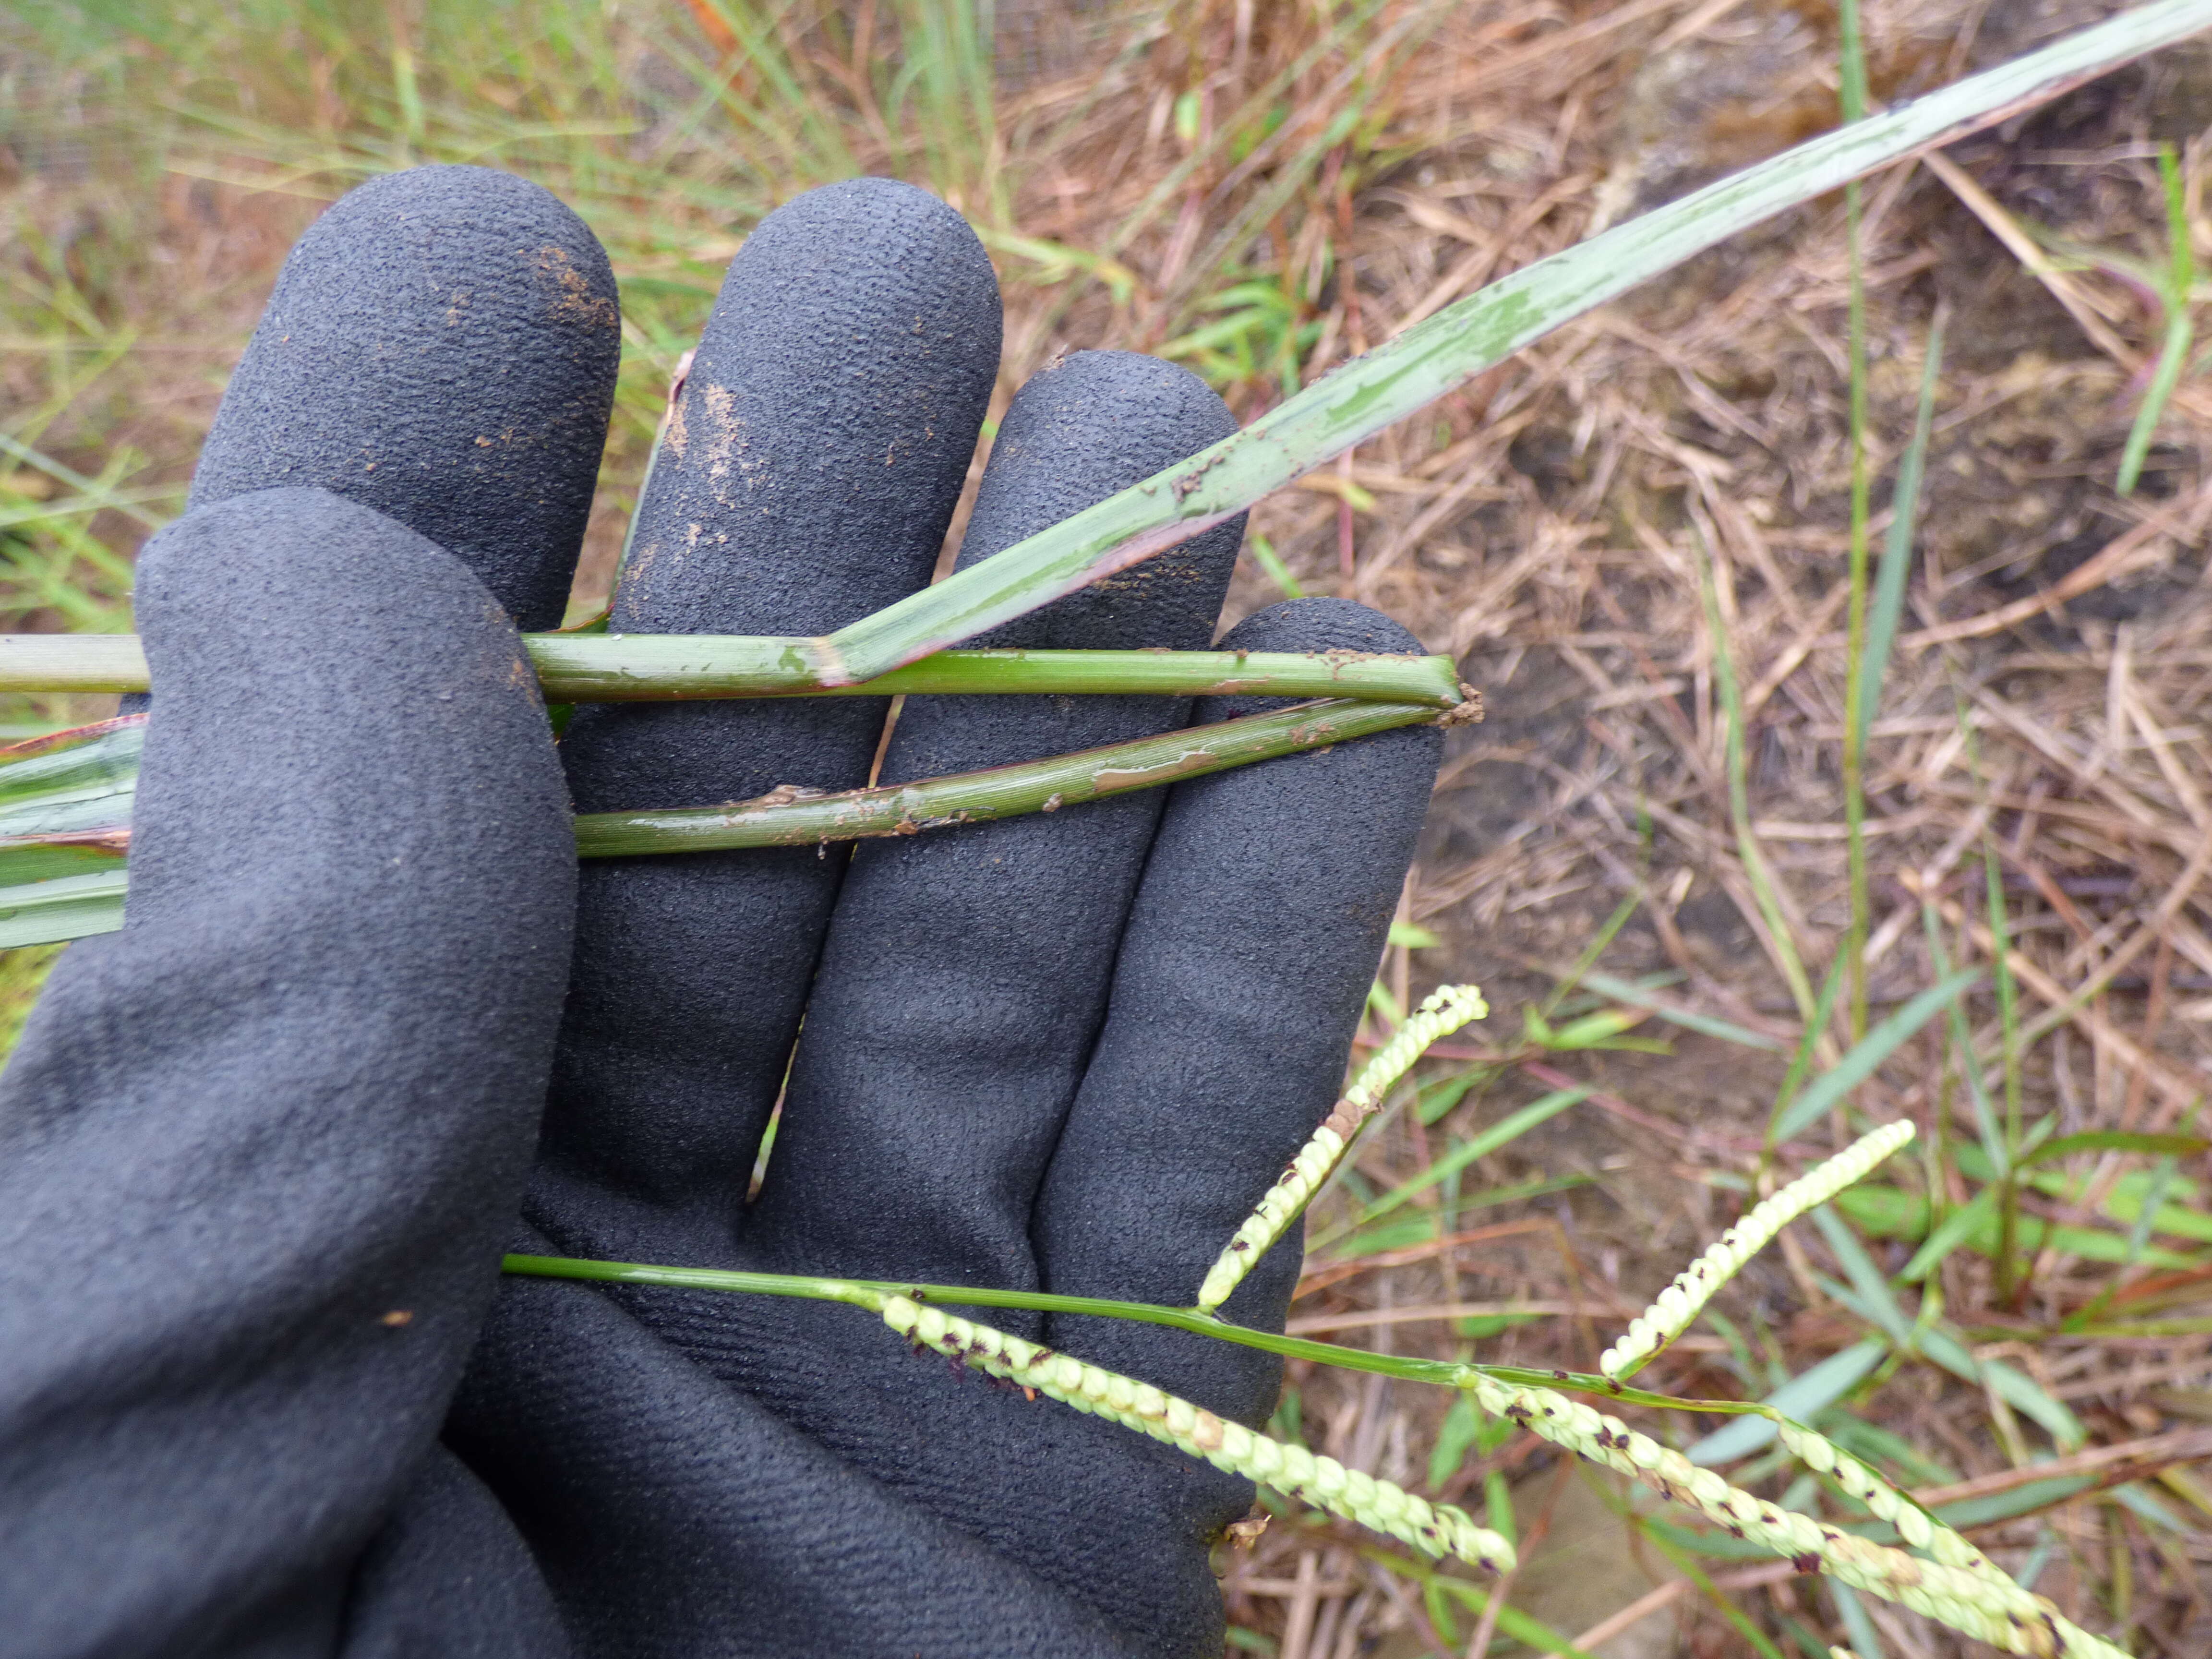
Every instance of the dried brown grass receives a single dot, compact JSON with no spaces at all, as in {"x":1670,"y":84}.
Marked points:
{"x":2051,"y":700}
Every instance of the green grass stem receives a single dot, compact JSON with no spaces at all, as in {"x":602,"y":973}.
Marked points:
{"x":1865,"y":1056}
{"x":1809,"y":1043}
{"x":1756,"y":870}
{"x":1853,"y":94}
{"x":1044,"y":786}
{"x":577,"y":668}
{"x":871,"y":1294}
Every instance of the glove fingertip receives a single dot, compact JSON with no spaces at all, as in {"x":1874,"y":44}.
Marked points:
{"x":442,"y":346}
{"x":1081,"y":429}
{"x":815,"y":454}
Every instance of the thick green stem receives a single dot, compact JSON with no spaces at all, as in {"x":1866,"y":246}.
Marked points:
{"x":620,"y":668}
{"x":791,"y":819}
{"x":66,"y":832}
{"x":673,"y":668}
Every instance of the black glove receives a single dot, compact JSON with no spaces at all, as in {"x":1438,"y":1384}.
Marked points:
{"x":260,"y":1151}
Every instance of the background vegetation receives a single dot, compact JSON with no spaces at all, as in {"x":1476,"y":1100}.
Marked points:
{"x":1636,"y":537}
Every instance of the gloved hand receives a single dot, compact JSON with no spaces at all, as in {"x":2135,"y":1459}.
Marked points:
{"x":261,"y":1389}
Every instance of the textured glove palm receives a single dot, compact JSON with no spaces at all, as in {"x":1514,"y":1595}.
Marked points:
{"x":1063,"y":1053}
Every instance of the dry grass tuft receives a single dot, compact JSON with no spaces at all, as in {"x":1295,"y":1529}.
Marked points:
{"x":1262,"y":191}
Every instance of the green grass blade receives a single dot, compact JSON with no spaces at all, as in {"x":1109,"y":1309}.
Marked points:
{"x":1395,"y":1235}
{"x":1752,"y":1636}
{"x":1860,"y":1628}
{"x":1801,"y":1062}
{"x":1461,"y":1427}
{"x":1433,"y":1100}
{"x":2016,"y":1387}
{"x":2007,"y":991}
{"x":2008,"y":1257}
{"x":1803,"y":1397}
{"x":1962,"y":1047}
{"x":76,"y":480}
{"x":1509,"y":1128}
{"x":2178,"y":334}
{"x":2161,"y":1178}
{"x":1874,"y":1291}
{"x":1828,"y":1089}
{"x":1271,"y":564}
{"x":2173,"y":357}
{"x":1592,"y":952}
{"x":1444,"y":351}
{"x":81,"y":506}
{"x":1524,"y":1628}
{"x":2115,"y":1141}
{"x":2002,"y":1506}
{"x":1961,"y":1225}
{"x":1621,"y":991}
{"x":1888,"y":604}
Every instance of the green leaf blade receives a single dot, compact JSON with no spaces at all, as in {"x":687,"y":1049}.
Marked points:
{"x":1803,"y":1397}
{"x":1867,"y":1055}
{"x":1444,"y":351}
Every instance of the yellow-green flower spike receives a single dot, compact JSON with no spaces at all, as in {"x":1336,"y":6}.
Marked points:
{"x":1878,"y":1497}
{"x":1436,"y":1529}
{"x":1443,"y":1013}
{"x":1682,"y":1302}
{"x":1978,"y":1601}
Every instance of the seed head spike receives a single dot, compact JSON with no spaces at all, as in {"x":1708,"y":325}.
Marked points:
{"x":1436,"y":1529}
{"x":1444,"y":1012}
{"x":1679,"y":1303}
{"x":1949,"y":1580}
{"x":1981,"y":1601}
